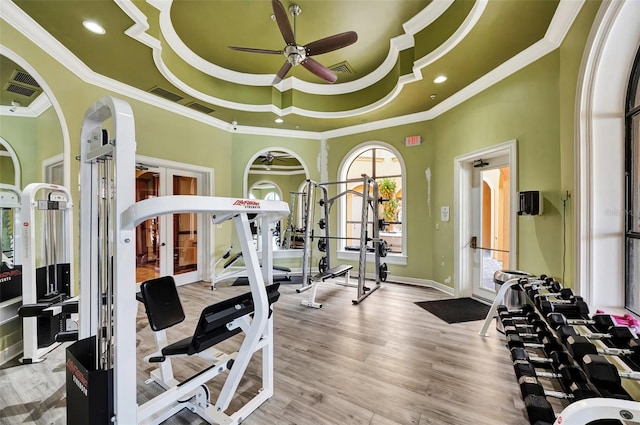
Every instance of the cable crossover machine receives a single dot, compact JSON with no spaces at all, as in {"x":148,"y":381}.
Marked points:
{"x":46,"y":222}
{"x":10,"y":268}
{"x":326,"y":269}
{"x":101,"y":365}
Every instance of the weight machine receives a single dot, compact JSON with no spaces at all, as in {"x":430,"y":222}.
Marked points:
{"x":46,"y":278}
{"x":101,"y":366}
{"x":10,"y":269}
{"x":231,"y":271}
{"x":370,"y":201}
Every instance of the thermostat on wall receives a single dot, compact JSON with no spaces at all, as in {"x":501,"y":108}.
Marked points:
{"x":444,"y":213}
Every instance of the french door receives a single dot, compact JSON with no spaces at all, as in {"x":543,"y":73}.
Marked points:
{"x":490,"y":241}
{"x":168,"y":245}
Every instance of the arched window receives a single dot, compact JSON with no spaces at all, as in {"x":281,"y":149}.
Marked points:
{"x":632,"y":176}
{"x":384,"y":164}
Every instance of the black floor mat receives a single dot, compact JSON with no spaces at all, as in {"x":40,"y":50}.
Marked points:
{"x":296,"y":280}
{"x":456,"y":310}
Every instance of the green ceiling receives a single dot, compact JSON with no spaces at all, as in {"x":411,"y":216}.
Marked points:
{"x":239,"y":88}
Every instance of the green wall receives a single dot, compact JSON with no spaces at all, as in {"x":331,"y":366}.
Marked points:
{"x":534,"y":106}
{"x":417,"y":217}
{"x":21,"y":133}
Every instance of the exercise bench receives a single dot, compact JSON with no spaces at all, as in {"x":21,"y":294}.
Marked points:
{"x":317,"y":279}
{"x":217,"y":323}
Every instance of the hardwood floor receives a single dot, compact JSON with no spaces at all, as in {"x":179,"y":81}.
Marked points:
{"x":383,"y":362}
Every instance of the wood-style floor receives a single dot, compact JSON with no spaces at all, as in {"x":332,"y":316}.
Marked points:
{"x":383,"y":362}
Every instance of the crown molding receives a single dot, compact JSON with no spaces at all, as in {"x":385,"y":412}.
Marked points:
{"x":562,"y":20}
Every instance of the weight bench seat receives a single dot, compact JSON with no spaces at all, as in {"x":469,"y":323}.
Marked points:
{"x":332,"y":272}
{"x":164,"y":310}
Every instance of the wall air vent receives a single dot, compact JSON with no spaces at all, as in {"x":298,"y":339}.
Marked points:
{"x":18,"y":89}
{"x":22,"y":77}
{"x":166,"y":94}
{"x":342,"y":68}
{"x":200,"y":107}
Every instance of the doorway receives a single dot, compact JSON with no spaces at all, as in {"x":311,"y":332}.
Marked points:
{"x":486,"y":218}
{"x":168,"y":245}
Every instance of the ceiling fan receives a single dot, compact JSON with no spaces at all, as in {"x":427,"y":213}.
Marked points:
{"x":301,"y":55}
{"x":269,"y":157}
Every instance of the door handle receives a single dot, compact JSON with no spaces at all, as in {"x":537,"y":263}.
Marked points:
{"x":474,"y":242}
{"x":163,"y":244}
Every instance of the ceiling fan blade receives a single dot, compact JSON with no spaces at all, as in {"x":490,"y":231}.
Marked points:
{"x":252,"y":50}
{"x":283,"y":22}
{"x":283,"y":71}
{"x":332,"y":43}
{"x":319,"y":70}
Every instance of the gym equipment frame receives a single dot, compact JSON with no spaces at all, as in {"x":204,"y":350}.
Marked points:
{"x":370,"y":199}
{"x":108,"y":218}
{"x":10,"y":271}
{"x":52,"y":282}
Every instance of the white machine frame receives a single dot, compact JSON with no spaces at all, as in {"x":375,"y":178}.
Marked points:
{"x":128,"y":214}
{"x":234,"y":272}
{"x":10,"y":199}
{"x":28,"y":256}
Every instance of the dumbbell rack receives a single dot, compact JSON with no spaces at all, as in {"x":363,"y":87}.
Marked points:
{"x":604,"y":409}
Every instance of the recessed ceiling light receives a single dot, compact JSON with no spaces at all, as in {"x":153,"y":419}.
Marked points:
{"x":440,"y":79}
{"x":279,"y":120}
{"x":94,"y":27}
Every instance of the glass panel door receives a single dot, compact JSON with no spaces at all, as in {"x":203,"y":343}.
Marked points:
{"x":148,"y":232}
{"x":184,"y":229}
{"x":491,"y":224}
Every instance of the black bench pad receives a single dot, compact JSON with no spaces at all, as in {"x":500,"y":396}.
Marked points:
{"x":332,"y":272}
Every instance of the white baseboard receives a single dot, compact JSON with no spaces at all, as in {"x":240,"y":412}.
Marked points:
{"x":428,"y":283}
{"x":10,"y":353}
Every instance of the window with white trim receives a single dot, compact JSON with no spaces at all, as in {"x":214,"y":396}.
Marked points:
{"x":387,"y":168}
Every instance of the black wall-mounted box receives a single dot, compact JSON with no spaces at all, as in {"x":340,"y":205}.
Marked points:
{"x":530,"y":203}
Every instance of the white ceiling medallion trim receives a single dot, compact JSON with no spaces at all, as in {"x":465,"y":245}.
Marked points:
{"x":562,"y":20}
{"x":462,"y":31}
{"x":138,"y":31}
{"x":429,"y":14}
{"x":189,"y":56}
{"x":171,"y":77}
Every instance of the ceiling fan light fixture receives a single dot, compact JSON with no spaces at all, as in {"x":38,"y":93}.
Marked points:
{"x":94,"y":27}
{"x":440,"y":79}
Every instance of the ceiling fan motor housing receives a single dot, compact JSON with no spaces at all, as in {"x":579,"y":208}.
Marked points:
{"x":295,"y":54}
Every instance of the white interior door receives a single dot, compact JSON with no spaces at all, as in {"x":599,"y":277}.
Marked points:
{"x":491,"y":222}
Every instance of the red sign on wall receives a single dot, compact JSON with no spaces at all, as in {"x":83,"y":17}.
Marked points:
{"x":412,"y":141}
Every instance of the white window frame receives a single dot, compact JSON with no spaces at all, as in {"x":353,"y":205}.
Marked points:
{"x":391,"y":258}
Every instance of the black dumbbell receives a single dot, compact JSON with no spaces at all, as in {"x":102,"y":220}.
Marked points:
{"x":525,"y":330}
{"x":503,"y":311}
{"x":579,"y":390}
{"x":601,"y":322}
{"x":607,"y":377}
{"x":577,"y":307}
{"x":539,"y":409}
{"x":579,"y":346}
{"x":563,"y":296}
{"x":619,"y":336}
{"x":556,"y":358}
{"x":567,"y":374}
{"x":543,"y":280}
{"x":547,"y":342}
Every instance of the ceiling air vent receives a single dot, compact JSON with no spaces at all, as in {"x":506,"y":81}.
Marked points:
{"x":18,"y":89}
{"x":166,"y":94}
{"x":24,"y":78}
{"x":342,"y":68}
{"x":200,"y":107}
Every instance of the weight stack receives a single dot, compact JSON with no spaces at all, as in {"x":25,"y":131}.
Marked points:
{"x":48,"y":327}
{"x":89,"y":391}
